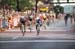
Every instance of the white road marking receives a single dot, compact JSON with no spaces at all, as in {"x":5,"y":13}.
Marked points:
{"x":37,"y":41}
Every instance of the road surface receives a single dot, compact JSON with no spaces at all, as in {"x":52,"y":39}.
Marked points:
{"x":36,"y":44}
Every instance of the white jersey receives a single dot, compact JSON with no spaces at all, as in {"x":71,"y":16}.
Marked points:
{"x":22,"y":17}
{"x":31,"y":16}
{"x":37,"y":18}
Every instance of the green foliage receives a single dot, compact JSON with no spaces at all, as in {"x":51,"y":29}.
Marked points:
{"x":10,"y":3}
{"x":13,"y":4}
{"x":25,"y":4}
{"x":58,"y":9}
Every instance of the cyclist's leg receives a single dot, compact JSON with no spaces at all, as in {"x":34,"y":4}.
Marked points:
{"x":21,"y":27}
{"x":65,"y":22}
{"x":52,"y":19}
{"x":47,"y":22}
{"x":24,"y":27}
{"x":36,"y":26}
{"x":44,"y":24}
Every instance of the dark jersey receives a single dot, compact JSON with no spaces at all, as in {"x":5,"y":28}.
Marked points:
{"x":31,"y":18}
{"x":22,"y":20}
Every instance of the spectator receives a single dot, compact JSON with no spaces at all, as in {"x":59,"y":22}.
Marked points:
{"x":4,"y":23}
{"x":66,"y":18}
{"x":10,"y":22}
{"x":15,"y":21}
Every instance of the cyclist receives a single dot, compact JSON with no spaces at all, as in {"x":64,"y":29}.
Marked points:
{"x":22,"y":24}
{"x":66,"y":19}
{"x":44,"y":20}
{"x":30,"y":21}
{"x":38,"y":24}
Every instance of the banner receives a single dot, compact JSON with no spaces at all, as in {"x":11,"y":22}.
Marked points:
{"x":68,"y":9}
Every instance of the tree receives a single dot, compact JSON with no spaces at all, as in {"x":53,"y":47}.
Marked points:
{"x":58,"y":9}
{"x":23,"y":4}
{"x":13,"y":4}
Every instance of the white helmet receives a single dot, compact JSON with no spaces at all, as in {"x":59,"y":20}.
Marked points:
{"x":22,"y":17}
{"x":37,"y":18}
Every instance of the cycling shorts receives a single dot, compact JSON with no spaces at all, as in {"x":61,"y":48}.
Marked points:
{"x":22,"y":21}
{"x":30,"y":19}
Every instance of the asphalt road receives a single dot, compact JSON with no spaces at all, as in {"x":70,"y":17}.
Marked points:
{"x":32,"y":38}
{"x":38,"y":45}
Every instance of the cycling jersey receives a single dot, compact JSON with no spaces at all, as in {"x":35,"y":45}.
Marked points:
{"x":22,"y":19}
{"x":44,"y":17}
{"x":31,"y":17}
{"x":38,"y":21}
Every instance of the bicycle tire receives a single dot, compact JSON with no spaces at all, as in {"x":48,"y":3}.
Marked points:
{"x":23,"y":29}
{"x":30,"y":26}
{"x":38,"y":29}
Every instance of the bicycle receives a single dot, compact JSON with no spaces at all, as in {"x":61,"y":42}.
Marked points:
{"x":38,"y":28}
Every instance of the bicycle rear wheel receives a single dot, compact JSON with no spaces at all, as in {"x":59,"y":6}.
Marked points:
{"x":38,"y":29}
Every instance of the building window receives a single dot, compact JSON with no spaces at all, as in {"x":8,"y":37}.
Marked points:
{"x":55,"y":0}
{"x":71,"y":0}
{"x":60,"y":0}
{"x":63,"y":1}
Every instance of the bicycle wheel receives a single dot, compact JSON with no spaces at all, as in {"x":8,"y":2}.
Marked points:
{"x":30,"y":26}
{"x":38,"y":29}
{"x":23,"y":29}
